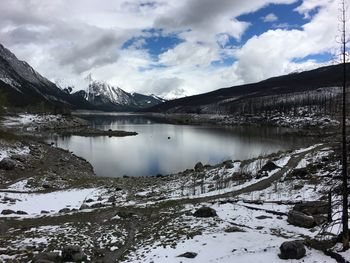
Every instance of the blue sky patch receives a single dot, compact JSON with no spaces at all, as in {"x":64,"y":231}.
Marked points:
{"x":323,"y":57}
{"x":287,"y":19}
{"x":156,"y":43}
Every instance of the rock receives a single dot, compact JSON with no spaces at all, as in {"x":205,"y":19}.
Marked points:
{"x":89,"y":200}
{"x":299,"y":173}
{"x":320,"y":219}
{"x":198,"y":167}
{"x":323,"y":244}
{"x":46,"y":185}
{"x":97,"y":205}
{"x":7,"y":164}
{"x":73,"y":253}
{"x":47,"y":257}
{"x":188,"y":255}
{"x":123,"y":214}
{"x":8,"y":199}
{"x":112,"y":199}
{"x":44,"y":212}
{"x":261,"y":175}
{"x":19,"y":212}
{"x":300,"y":219}
{"x":263,"y":217}
{"x":312,"y":208}
{"x":269,"y":166}
{"x":292,"y":250}
{"x":64,"y":210}
{"x":205,"y":212}
{"x":228,"y":164}
{"x":7,"y":212}
{"x":84,"y":206}
{"x":233,"y":229}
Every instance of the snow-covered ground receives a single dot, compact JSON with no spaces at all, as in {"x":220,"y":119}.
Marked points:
{"x":27,"y":119}
{"x":259,"y":240}
{"x":9,"y":151}
{"x":52,"y":202}
{"x":250,"y":227}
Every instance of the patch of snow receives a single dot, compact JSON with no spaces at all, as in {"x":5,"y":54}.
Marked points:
{"x":282,"y":161}
{"x":9,"y":151}
{"x":214,"y":245}
{"x":33,"y":203}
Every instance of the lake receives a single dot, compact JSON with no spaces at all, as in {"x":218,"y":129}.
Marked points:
{"x":164,"y":148}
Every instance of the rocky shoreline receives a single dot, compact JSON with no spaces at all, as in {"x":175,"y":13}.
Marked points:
{"x":323,"y":126}
{"x":54,"y":209}
{"x":90,"y":132}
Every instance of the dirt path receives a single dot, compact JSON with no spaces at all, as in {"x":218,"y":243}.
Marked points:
{"x":258,"y":186}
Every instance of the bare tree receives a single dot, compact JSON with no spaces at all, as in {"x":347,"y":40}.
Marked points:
{"x":345,"y":216}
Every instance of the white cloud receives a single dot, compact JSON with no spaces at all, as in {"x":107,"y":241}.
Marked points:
{"x":68,"y":39}
{"x":270,"y":18}
{"x":273,"y":52}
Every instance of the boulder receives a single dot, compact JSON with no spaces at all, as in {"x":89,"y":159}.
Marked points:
{"x":233,"y":229}
{"x":7,"y":164}
{"x":300,"y":173}
{"x":312,"y":208}
{"x":269,"y":166}
{"x":64,"y":210}
{"x":20,"y":212}
{"x":97,"y":205}
{"x":262,"y":217}
{"x":73,"y":253}
{"x":46,"y":185}
{"x":320,"y":219}
{"x":7,"y":212}
{"x":188,"y":255}
{"x":84,"y":206}
{"x":300,"y":219}
{"x":199,"y":167}
{"x":205,"y":211}
{"x":323,"y":244}
{"x":292,"y":250}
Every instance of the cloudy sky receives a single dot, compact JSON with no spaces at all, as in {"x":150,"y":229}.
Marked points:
{"x":169,"y":47}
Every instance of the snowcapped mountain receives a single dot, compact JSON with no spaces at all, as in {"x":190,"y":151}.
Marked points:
{"x":107,"y":97}
{"x":24,"y":86}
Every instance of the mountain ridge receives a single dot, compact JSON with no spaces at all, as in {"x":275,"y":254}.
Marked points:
{"x":326,"y":76}
{"x":25,"y":87}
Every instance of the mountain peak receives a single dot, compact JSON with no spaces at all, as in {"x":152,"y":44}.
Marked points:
{"x":100,"y":93}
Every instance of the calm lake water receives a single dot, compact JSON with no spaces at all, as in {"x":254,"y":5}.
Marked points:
{"x":151,"y":152}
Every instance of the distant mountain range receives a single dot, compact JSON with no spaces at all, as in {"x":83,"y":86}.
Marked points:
{"x":24,"y":87}
{"x":107,"y":97}
{"x":224,"y":100}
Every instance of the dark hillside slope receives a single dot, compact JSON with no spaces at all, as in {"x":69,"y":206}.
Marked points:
{"x":329,"y":76}
{"x":24,"y":86}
